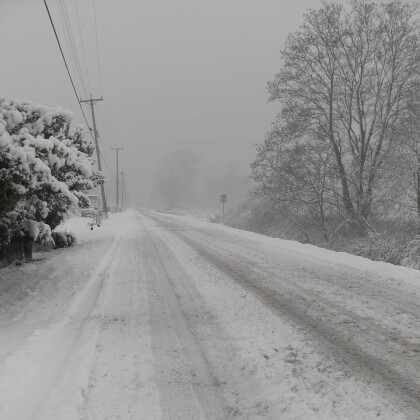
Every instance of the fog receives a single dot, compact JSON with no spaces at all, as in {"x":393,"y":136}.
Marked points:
{"x":183,"y":77}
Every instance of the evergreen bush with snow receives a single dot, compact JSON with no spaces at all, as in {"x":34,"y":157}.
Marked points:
{"x":46,"y":169}
{"x":63,"y":239}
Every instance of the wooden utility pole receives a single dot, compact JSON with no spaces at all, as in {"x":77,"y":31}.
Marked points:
{"x":117,"y":149}
{"x":123,"y":204}
{"x":98,"y":153}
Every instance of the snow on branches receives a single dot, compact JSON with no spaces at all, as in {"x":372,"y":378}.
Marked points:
{"x":46,"y":169}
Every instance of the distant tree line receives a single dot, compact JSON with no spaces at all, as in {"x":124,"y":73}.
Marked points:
{"x":180,"y":182}
{"x":344,"y":153}
{"x":46,"y":169}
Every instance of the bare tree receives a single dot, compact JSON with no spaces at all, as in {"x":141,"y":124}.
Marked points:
{"x":297,"y":178}
{"x":346,"y":80}
{"x":401,"y":180}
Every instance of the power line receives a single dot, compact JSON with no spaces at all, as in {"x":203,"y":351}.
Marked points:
{"x":67,"y":67}
{"x":83,"y":44}
{"x":69,"y":45}
{"x":111,"y":135}
{"x":76,"y":56}
{"x":107,"y":110}
{"x":110,"y":120}
{"x":97,"y":47}
{"x":176,"y":101}
{"x":106,"y":164}
{"x":73,"y":49}
{"x":172,"y":142}
{"x":193,"y":121}
{"x":66,"y":37}
{"x":71,"y":80}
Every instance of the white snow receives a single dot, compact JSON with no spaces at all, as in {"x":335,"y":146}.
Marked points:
{"x":134,"y":323}
{"x":320,"y":256}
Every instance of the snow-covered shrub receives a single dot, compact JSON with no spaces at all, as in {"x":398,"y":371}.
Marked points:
{"x":257,"y":215}
{"x":46,"y":169}
{"x":375,"y":247}
{"x":63,"y":239}
{"x":22,"y":175}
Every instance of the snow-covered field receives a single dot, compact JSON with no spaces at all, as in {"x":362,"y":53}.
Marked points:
{"x":160,"y":316}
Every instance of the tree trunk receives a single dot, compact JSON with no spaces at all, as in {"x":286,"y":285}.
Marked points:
{"x":27,"y":248}
{"x":418,"y":198}
{"x":348,"y":204}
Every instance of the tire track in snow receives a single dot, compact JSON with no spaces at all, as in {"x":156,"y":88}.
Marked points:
{"x":389,"y":296}
{"x":357,"y":344}
{"x":121,"y":381}
{"x":380,"y":363}
{"x":316,"y":296}
{"x":33,"y":372}
{"x":188,"y":390}
{"x":274,"y":270}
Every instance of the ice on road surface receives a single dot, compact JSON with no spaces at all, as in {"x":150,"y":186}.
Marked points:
{"x":156,"y":316}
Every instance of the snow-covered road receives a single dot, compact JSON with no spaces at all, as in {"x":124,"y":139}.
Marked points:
{"x":156,"y":316}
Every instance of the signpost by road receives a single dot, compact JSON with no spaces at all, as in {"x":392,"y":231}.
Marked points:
{"x":223,"y":199}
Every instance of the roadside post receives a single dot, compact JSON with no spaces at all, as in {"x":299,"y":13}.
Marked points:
{"x":223,"y":199}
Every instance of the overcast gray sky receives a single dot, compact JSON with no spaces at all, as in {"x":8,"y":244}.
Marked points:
{"x":174,"y":74}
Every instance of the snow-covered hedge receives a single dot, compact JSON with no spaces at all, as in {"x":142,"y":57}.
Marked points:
{"x":46,"y":169}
